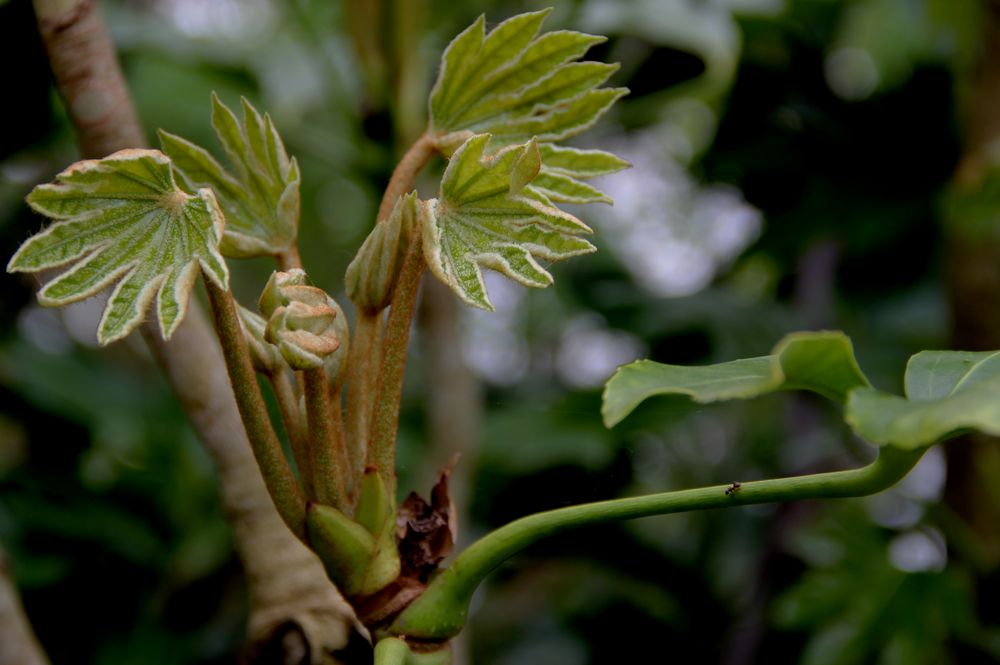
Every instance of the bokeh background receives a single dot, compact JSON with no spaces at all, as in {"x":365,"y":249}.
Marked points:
{"x":798,"y":164}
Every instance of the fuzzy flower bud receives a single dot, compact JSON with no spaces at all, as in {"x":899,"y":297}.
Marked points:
{"x":301,"y":320}
{"x":371,"y":277}
{"x":265,"y":356}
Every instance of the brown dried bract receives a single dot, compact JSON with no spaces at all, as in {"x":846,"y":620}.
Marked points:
{"x":427,"y":532}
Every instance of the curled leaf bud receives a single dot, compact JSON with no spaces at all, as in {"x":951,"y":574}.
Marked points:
{"x":276,"y":292}
{"x":336,"y":362}
{"x":301,"y":320}
{"x":265,"y":356}
{"x":371,"y":277}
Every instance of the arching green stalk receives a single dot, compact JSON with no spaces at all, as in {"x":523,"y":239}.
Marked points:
{"x":440,"y":613}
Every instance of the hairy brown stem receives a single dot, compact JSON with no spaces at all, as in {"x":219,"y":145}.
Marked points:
{"x":327,"y":457}
{"x":284,"y":489}
{"x":389,"y":387}
{"x":405,"y":173}
{"x":291,"y":416}
{"x":361,"y":367}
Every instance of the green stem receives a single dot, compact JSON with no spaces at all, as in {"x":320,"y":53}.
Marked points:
{"x":327,"y":455}
{"x":291,"y":416}
{"x":391,"y":651}
{"x":281,"y":484}
{"x":440,"y":613}
{"x":392,"y":366}
{"x":394,"y":651}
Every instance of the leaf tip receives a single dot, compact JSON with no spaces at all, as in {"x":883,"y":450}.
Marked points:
{"x":525,"y":166}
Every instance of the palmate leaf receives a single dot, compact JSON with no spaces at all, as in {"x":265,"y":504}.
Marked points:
{"x":487,"y":216}
{"x":123,"y":218}
{"x":260,"y":196}
{"x":946,"y":392}
{"x":516,"y":84}
{"x":821,"y":362}
{"x":564,"y":169}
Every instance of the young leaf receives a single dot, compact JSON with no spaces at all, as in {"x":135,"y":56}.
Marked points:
{"x":486,"y":216}
{"x":564,"y":169}
{"x":124,"y":219}
{"x":260,"y":196}
{"x":946,"y":392}
{"x":822,"y":362}
{"x":516,"y":84}
{"x":301,"y":320}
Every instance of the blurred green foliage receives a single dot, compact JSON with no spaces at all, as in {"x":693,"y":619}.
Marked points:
{"x":790,"y":159}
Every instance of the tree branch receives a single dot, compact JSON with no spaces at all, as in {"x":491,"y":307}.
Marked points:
{"x":287,"y":583}
{"x":18,"y":644}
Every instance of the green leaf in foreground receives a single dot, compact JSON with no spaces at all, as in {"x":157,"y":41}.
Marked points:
{"x":516,"y":84}
{"x":260,"y":196}
{"x":822,"y":362}
{"x":124,"y":219}
{"x":564,"y":169}
{"x":946,"y":392}
{"x":486,"y":216}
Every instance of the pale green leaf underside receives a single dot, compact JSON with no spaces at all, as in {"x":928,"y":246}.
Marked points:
{"x":947,"y":392}
{"x":260,"y":195}
{"x":564,"y":170}
{"x":123,"y":219}
{"x":821,"y":362}
{"x":484,"y":219}
{"x":516,"y":84}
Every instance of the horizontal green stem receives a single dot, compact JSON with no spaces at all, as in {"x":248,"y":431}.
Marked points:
{"x":440,"y":613}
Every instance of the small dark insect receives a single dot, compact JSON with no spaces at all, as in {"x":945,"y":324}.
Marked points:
{"x":733,"y":488}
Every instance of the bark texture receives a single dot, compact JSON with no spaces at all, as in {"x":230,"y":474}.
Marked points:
{"x":18,"y":645}
{"x":973,"y":264}
{"x":296,"y":615}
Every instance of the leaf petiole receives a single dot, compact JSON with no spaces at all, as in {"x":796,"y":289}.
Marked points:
{"x":285,"y":491}
{"x":403,"y":176}
{"x":392,"y":365}
{"x":440,"y":613}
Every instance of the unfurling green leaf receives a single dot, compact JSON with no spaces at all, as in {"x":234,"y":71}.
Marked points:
{"x":301,"y":320}
{"x":516,"y":84}
{"x":124,"y":219}
{"x":946,"y":392}
{"x":489,"y":216}
{"x":260,"y":195}
{"x":822,"y":362}
{"x":371,"y":276}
